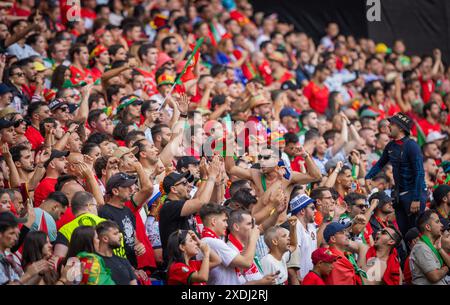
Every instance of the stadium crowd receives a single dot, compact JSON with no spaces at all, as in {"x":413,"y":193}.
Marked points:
{"x":180,"y":142}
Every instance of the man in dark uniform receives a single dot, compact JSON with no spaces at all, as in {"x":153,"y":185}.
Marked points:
{"x":406,"y":158}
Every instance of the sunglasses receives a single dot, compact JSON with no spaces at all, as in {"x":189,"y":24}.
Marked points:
{"x":21,"y":74}
{"x":261,"y":157}
{"x":361,"y":206}
{"x":185,"y":182}
{"x":386,"y":232}
{"x":64,"y":109}
{"x":18,"y":122}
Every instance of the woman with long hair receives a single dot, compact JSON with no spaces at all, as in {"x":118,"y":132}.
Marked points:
{"x":37,"y":247}
{"x":182,"y":247}
{"x":59,"y":76}
{"x":82,"y":252}
{"x":84,"y":239}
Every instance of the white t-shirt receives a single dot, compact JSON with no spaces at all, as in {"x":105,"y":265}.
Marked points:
{"x":223,"y":274}
{"x":271,"y":265}
{"x":307,"y":243}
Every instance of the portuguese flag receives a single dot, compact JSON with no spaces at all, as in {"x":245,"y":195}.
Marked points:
{"x":188,"y":71}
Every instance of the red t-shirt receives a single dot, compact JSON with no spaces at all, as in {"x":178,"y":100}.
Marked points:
{"x":65,"y":218}
{"x":78,"y":75}
{"x":180,"y":273}
{"x":312,"y":279}
{"x":266,"y":72}
{"x":427,"y":127}
{"x":318,"y":97}
{"x":34,"y":136}
{"x":427,"y":89}
{"x":44,"y":188}
{"x":150,"y":86}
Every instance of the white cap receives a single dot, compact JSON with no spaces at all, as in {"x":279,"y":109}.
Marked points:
{"x":435,"y":136}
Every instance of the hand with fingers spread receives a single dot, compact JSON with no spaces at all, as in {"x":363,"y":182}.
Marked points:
{"x":42,"y":157}
{"x":214,"y":168}
{"x":183,"y":103}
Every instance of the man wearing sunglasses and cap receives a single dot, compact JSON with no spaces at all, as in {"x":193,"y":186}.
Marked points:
{"x":406,"y":158}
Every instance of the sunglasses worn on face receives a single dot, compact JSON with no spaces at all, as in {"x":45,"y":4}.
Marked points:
{"x":261,"y":157}
{"x":361,"y":206}
{"x":19,"y":74}
{"x":185,"y":182}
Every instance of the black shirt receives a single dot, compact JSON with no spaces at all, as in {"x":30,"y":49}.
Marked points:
{"x":121,"y":270}
{"x":170,"y":220}
{"x":127,"y":223}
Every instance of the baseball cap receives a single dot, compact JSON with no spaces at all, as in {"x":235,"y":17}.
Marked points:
{"x":8,"y":219}
{"x":440,"y":192}
{"x":172,"y":178}
{"x":402,"y":120}
{"x":333,"y":228}
{"x":184,"y":162}
{"x":56,"y":103}
{"x":6,"y":124}
{"x":120,"y":151}
{"x":382,"y":197}
{"x":55,"y":154}
{"x":39,"y":67}
{"x":323,"y":255}
{"x":435,"y":136}
{"x":290,"y":85}
{"x":5,"y":89}
{"x":369,"y":113}
{"x":119,"y":180}
{"x":288,"y":111}
{"x":300,"y":202}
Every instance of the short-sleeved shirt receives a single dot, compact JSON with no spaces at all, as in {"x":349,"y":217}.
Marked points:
{"x":223,"y":274}
{"x":43,"y":189}
{"x":10,"y":268}
{"x":170,"y":220}
{"x":422,"y":261}
{"x":271,"y":265}
{"x":312,"y":279}
{"x":307,"y":242}
{"x":180,"y":273}
{"x":121,"y":270}
{"x":124,"y":217}
{"x":34,"y":137}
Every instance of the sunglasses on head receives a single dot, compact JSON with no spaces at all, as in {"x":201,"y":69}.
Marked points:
{"x":386,"y":232}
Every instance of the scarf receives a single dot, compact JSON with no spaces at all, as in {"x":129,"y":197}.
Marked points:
{"x":392,"y":274}
{"x":427,"y":241}
{"x":207,"y":232}
{"x":249,"y":273}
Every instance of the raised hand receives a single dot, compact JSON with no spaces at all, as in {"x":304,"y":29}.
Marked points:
{"x":5,"y":151}
{"x":43,"y":156}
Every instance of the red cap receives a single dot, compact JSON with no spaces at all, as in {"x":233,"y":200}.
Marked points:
{"x":323,"y":255}
{"x":163,"y":58}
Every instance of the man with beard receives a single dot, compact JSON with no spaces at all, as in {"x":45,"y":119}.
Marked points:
{"x":29,"y":171}
{"x":179,"y":208}
{"x":160,"y":135}
{"x":383,"y":266}
{"x":147,"y":154}
{"x":430,"y":123}
{"x":110,"y":239}
{"x":428,"y":261}
{"x":99,"y":122}
{"x":120,"y":190}
{"x":382,"y":216}
{"x":406,"y":158}
{"x":431,"y":172}
{"x":56,"y":165}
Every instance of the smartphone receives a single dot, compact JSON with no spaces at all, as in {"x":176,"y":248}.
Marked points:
{"x":287,"y":174}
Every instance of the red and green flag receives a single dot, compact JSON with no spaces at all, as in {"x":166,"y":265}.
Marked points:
{"x":421,"y":138}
